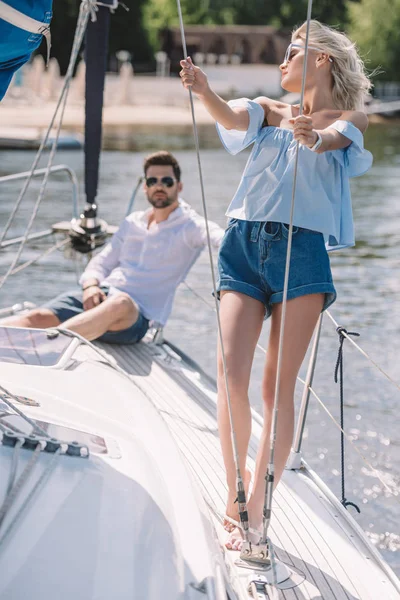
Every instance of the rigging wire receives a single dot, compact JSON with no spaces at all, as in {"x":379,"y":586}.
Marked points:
{"x":271,"y":470}
{"x":239,"y":480}
{"x":48,"y":251}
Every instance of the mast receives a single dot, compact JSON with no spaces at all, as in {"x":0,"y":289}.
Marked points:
{"x":88,"y":231}
{"x":96,"y":50}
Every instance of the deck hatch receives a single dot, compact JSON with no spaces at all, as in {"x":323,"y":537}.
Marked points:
{"x":32,"y":346}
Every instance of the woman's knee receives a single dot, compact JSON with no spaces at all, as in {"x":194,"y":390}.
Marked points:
{"x":286,"y":391}
{"x":237,"y":376}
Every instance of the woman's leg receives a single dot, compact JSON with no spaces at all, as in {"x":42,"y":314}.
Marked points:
{"x":301,"y":317}
{"x":241,"y":321}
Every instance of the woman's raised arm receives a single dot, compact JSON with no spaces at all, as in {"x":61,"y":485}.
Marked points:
{"x":230,"y":118}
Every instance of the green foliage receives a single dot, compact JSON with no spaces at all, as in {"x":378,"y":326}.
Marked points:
{"x":375,"y":27}
{"x":374,"y":24}
{"x":159,"y":14}
{"x":287,"y":13}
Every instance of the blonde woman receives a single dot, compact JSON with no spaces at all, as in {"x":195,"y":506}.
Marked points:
{"x":253,"y":252}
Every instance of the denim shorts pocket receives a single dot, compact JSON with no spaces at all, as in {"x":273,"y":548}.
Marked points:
{"x":231,"y":223}
{"x":285,"y":229}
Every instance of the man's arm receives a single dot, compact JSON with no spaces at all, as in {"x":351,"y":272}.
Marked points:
{"x":196,"y":234}
{"x":103,"y":263}
{"x":100,"y":267}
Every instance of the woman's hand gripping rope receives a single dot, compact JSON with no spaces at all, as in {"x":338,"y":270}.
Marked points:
{"x":303,"y":131}
{"x":193,"y":77}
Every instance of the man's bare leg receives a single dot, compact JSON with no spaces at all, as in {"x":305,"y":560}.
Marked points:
{"x":39,"y":318}
{"x":114,"y":314}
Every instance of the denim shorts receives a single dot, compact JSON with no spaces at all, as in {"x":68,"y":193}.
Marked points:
{"x":70,"y":304}
{"x":252,"y":261}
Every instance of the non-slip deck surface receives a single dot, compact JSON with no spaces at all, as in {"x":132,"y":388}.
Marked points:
{"x":308,"y":531}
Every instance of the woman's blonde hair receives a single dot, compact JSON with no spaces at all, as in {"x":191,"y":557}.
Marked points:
{"x":350,"y":80}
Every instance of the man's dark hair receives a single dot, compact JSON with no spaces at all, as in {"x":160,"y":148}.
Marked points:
{"x":163,"y":158}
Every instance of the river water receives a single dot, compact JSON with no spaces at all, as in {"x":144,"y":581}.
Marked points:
{"x":368,"y":285}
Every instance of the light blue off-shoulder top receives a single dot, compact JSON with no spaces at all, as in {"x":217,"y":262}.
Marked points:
{"x":322,"y":200}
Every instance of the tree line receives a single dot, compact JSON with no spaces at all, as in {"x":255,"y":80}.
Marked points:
{"x":373,"y":24}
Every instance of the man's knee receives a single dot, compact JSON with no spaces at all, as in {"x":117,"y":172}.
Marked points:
{"x":122,"y":306}
{"x":40,"y":318}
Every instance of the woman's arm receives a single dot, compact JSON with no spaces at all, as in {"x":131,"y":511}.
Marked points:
{"x":331,"y":138}
{"x":230,"y":118}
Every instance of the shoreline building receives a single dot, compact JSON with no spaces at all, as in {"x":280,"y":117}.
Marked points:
{"x":244,"y":44}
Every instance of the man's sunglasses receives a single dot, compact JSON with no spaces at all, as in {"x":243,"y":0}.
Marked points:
{"x":167,"y":181}
{"x":289,"y":56}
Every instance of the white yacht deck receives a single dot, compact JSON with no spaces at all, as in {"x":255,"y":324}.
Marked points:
{"x":311,"y":531}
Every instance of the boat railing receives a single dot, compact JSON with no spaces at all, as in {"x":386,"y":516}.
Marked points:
{"x":37,"y":173}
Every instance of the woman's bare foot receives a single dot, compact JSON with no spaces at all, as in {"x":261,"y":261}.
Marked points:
{"x":236,"y":538}
{"x":232,"y":511}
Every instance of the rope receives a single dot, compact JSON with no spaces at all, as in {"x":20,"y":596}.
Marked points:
{"x":87,"y":8}
{"x":349,"y":439}
{"x":28,"y":501}
{"x":271,"y":470}
{"x":21,"y":481}
{"x":19,"y":443}
{"x":37,"y":258}
{"x":241,"y":496}
{"x":339,"y":372}
{"x":364,"y":353}
{"x":32,"y":423}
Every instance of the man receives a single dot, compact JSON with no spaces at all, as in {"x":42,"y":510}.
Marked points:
{"x":133,"y":280}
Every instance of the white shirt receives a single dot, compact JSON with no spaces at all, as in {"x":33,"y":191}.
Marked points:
{"x":150,"y":263}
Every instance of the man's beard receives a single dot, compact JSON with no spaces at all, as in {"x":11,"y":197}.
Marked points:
{"x":161,"y":201}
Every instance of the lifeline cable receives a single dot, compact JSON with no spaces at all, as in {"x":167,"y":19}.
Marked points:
{"x":241,"y":495}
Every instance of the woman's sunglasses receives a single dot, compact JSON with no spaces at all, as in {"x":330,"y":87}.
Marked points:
{"x":289,"y":56}
{"x":167,"y":181}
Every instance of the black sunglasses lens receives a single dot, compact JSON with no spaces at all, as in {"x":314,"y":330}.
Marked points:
{"x":168,"y":181}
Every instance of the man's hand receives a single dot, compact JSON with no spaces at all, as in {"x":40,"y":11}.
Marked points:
{"x":92,"y":297}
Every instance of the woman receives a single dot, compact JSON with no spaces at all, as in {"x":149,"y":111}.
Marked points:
{"x":253,"y":252}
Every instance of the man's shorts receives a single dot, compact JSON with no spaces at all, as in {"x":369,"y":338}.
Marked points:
{"x":252,"y":261}
{"x":70,"y":304}
{"x":16,"y":44}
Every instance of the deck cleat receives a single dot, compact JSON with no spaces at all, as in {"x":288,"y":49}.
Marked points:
{"x":258,"y":589}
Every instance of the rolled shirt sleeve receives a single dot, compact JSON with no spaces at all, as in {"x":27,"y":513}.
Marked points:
{"x":354,"y":158}
{"x":103,"y":263}
{"x":196,"y":234}
{"x":233,"y":140}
